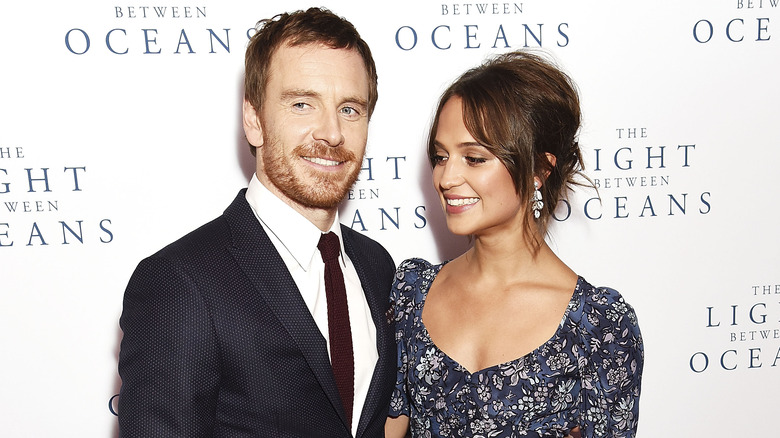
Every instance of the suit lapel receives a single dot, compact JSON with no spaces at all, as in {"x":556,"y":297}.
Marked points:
{"x":378,"y":301}
{"x":261,"y":263}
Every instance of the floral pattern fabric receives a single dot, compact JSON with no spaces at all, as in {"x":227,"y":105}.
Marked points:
{"x":588,"y":374}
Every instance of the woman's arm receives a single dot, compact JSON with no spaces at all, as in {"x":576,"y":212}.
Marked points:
{"x":397,"y":427}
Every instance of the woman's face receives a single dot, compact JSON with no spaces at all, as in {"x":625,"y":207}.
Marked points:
{"x":475,"y":189}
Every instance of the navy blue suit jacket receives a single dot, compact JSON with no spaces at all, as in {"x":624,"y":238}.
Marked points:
{"x":218,"y":341}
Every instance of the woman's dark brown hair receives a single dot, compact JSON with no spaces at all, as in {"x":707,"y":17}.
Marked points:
{"x":521,"y":107}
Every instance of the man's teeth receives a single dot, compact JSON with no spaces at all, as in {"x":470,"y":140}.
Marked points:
{"x":462,"y":201}
{"x":322,"y":161}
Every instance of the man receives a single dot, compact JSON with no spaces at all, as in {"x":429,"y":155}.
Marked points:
{"x":228,"y":331}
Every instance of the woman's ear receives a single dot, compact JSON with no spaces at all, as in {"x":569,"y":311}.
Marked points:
{"x":552,"y":160}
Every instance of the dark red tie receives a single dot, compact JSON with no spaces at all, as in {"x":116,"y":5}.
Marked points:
{"x":341,"y":357}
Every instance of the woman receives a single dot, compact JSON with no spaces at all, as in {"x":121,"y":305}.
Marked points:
{"x":506,"y":340}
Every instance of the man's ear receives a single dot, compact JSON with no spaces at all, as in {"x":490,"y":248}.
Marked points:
{"x":252,"y":128}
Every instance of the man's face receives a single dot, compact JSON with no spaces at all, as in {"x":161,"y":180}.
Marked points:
{"x":313,"y":125}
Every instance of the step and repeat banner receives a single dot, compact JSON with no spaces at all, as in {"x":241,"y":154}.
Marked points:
{"x":120,"y":131}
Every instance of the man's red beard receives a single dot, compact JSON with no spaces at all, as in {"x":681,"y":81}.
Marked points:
{"x":317,"y":189}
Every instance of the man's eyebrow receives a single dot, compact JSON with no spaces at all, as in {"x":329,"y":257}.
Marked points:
{"x":357,"y":100}
{"x":298,"y":92}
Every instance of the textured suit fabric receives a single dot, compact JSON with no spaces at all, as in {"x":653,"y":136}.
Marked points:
{"x":218,"y":341}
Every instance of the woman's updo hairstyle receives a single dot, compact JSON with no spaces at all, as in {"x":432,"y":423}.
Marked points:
{"x":521,"y":107}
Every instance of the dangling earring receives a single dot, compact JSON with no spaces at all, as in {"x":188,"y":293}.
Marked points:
{"x":537,"y":204}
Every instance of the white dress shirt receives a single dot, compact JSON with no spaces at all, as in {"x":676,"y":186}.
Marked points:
{"x":295,"y":238}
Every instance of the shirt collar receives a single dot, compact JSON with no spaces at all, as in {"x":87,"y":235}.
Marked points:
{"x":296,"y":233}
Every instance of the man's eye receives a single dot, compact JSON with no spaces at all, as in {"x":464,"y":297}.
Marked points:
{"x":349,"y":111}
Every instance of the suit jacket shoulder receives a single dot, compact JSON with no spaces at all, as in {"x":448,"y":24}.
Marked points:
{"x":368,"y":252}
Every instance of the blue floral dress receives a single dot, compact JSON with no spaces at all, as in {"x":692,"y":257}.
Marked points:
{"x":588,"y":374}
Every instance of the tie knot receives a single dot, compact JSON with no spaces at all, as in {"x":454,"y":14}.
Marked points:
{"x":329,"y":246}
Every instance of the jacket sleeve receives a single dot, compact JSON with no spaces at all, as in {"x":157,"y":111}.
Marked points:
{"x":168,"y":360}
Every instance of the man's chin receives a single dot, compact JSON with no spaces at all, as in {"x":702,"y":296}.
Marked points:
{"x":324,"y":197}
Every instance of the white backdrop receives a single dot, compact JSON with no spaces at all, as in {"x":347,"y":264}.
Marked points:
{"x":120,"y":131}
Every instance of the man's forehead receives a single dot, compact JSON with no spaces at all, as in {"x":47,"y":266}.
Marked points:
{"x":309,"y":52}
{"x":308,"y":64}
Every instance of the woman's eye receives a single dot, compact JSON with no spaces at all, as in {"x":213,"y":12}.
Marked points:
{"x":439,"y":159}
{"x":475,"y":160}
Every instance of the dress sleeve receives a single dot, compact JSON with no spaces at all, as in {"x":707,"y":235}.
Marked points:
{"x":612,"y":376}
{"x":402,"y":303}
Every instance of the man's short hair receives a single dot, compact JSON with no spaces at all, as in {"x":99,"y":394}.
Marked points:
{"x":312,"y":26}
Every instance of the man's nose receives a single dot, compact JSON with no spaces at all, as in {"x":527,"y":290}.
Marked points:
{"x":329,"y":130}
